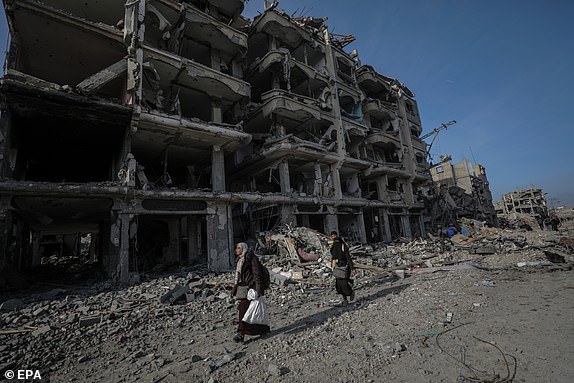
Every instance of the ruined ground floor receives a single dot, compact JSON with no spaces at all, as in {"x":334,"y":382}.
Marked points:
{"x":121,"y":232}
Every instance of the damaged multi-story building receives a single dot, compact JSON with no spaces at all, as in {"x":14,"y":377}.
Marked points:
{"x":463,"y":191}
{"x":154,"y":132}
{"x":524,"y":203}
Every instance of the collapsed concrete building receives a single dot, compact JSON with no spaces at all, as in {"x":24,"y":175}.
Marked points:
{"x":162,"y":131}
{"x":526,"y":205}
{"x":465,"y":191}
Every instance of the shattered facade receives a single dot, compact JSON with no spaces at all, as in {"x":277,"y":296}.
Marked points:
{"x":155,"y":132}
{"x":465,"y":189}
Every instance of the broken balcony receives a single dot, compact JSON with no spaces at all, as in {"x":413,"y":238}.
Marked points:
{"x":193,"y":86}
{"x":374,"y":85}
{"x":379,"y":136}
{"x":291,"y":106}
{"x":282,"y":28}
{"x":165,"y":23}
{"x":298,"y":77}
{"x":67,"y":50}
{"x":230,"y":8}
{"x":379,"y":110}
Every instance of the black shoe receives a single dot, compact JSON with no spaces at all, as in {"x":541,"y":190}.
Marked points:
{"x":238,"y":337}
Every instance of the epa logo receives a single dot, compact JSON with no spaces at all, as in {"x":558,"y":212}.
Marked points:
{"x":22,"y":374}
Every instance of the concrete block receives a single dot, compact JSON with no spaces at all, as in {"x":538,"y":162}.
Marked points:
{"x":174,"y":294}
{"x":89,"y":321}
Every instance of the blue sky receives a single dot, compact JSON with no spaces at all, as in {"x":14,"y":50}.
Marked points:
{"x":503,"y":69}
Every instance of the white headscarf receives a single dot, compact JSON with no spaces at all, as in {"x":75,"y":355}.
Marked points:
{"x":244,"y":247}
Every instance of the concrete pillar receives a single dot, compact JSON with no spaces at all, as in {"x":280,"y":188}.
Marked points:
{"x":124,"y":248}
{"x":219,"y":238}
{"x":408,"y":192}
{"x":387,"y":236}
{"x":317,"y":185}
{"x":422,"y":226}
{"x":336,"y":178}
{"x":332,"y":69}
{"x":353,"y":187}
{"x":382,"y":191}
{"x":171,"y":255}
{"x":217,"y":169}
{"x":193,"y":239}
{"x":362,"y":232}
{"x":215,"y":59}
{"x":216,"y":111}
{"x":406,"y":225}
{"x":284,"y":179}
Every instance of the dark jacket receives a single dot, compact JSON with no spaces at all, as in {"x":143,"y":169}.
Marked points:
{"x":251,"y":273}
{"x":340,"y":253}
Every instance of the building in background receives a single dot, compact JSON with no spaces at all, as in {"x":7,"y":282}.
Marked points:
{"x":528,"y":205}
{"x":155,"y":132}
{"x":465,"y":191}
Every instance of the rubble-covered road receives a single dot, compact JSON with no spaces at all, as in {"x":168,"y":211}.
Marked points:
{"x":511,"y":320}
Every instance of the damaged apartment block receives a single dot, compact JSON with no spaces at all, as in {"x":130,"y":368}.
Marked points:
{"x":157,"y":132}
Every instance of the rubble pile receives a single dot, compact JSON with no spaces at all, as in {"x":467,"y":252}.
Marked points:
{"x":62,"y":327}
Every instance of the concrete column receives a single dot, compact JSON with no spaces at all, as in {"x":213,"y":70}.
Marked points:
{"x":360,"y":222}
{"x":387,"y":237}
{"x":380,"y":225}
{"x":408,"y":192}
{"x":215,"y":59}
{"x":171,"y":255}
{"x":217,"y":169}
{"x":382,"y":191}
{"x":336,"y":178}
{"x":284,"y":179}
{"x":318,"y":184}
{"x":406,"y":226}
{"x":219,"y":238}
{"x":332,"y":69}
{"x":422,"y":226}
{"x":124,"y":248}
{"x":193,"y":239}
{"x":216,"y":111}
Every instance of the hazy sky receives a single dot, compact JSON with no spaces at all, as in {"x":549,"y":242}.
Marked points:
{"x":503,"y":69}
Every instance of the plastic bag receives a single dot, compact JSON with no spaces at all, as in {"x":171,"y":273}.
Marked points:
{"x":256,"y":312}
{"x":252,"y":294}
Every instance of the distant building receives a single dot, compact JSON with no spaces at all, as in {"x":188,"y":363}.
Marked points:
{"x":529,"y":202}
{"x":466,"y":188}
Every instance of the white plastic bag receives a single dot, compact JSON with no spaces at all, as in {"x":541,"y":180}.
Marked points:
{"x":252,"y":294}
{"x":256,"y":312}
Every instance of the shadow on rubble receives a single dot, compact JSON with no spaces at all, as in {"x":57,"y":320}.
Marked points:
{"x":320,"y":317}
